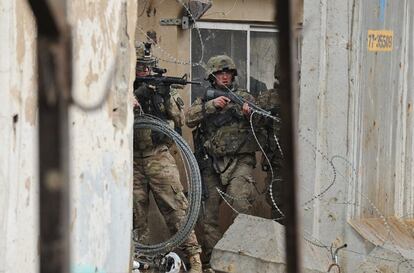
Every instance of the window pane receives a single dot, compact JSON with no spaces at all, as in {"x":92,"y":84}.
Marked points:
{"x":218,"y":42}
{"x":263,"y":48}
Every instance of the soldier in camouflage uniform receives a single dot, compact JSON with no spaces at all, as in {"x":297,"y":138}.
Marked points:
{"x":223,"y":132}
{"x":270,"y":101}
{"x":155,"y":169}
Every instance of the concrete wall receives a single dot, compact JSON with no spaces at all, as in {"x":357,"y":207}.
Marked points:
{"x":100,"y":142}
{"x":18,"y":179}
{"x":355,"y":128}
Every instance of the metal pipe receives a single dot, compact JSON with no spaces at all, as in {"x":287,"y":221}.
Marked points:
{"x":288,"y":83}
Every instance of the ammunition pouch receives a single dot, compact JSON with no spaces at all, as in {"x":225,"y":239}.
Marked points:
{"x":142,"y":139}
{"x":230,"y":116}
{"x":200,"y":153}
{"x":146,"y":139}
{"x":203,"y":160}
{"x":230,"y":141}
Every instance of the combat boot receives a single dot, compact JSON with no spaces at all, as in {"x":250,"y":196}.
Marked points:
{"x":195,"y":264}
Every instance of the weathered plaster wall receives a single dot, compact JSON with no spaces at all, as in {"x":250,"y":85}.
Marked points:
{"x":101,"y":158}
{"x":18,"y":138}
{"x":100,"y":141}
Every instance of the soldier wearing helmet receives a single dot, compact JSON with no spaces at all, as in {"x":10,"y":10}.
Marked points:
{"x":223,"y":134}
{"x":270,"y":101}
{"x":155,"y":169}
{"x":145,"y":61}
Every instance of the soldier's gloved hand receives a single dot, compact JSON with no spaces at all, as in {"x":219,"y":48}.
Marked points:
{"x":135,"y":103}
{"x":221,"y":102}
{"x":246,"y":109}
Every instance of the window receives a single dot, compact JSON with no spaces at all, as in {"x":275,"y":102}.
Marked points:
{"x":253,"y":49}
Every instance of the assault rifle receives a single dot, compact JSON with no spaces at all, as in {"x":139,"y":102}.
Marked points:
{"x":212,"y":93}
{"x":160,"y":80}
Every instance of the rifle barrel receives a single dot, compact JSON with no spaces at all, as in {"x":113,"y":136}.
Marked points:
{"x":165,"y":80}
{"x":194,"y":82}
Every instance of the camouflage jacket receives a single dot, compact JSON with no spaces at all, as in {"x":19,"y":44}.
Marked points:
{"x":223,"y":132}
{"x":270,"y":100}
{"x":168,"y":108}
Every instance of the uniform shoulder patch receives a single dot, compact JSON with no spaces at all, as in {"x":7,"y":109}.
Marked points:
{"x":180,"y":102}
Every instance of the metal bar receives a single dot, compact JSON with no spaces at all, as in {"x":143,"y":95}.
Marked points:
{"x":248,"y":60}
{"x":288,"y":82}
{"x":53,"y":63}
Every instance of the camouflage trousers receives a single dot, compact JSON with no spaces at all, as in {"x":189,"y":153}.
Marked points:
{"x":158,"y":173}
{"x":237,"y":182}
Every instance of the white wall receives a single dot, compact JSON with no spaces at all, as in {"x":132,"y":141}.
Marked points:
{"x":18,"y":180}
{"x":100,"y":142}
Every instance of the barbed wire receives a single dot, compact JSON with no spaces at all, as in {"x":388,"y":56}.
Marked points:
{"x":195,"y":24}
{"x":330,"y":163}
{"x":381,"y":215}
{"x":270,"y":188}
{"x":170,"y":56}
{"x":163,"y":51}
{"x":224,"y":13}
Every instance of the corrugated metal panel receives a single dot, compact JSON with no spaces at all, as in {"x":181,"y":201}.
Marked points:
{"x":384,"y":147}
{"x":355,"y":108}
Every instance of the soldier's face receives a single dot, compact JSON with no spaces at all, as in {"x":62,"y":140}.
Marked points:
{"x":143,"y":72}
{"x":223,"y":78}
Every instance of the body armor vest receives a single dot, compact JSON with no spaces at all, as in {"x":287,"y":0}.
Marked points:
{"x":227,"y":132}
{"x":146,"y":139}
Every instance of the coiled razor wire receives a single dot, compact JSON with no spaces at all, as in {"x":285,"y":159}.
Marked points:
{"x":334,"y":172}
{"x":389,"y":239}
{"x":272,"y":174}
{"x":146,"y":121}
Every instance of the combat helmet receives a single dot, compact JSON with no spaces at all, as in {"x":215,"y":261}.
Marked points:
{"x":144,"y":56}
{"x":219,"y":63}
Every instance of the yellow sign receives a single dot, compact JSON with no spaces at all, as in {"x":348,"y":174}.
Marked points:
{"x":380,"y":40}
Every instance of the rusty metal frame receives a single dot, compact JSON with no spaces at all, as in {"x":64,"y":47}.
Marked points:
{"x":54,"y":63}
{"x":285,"y":19}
